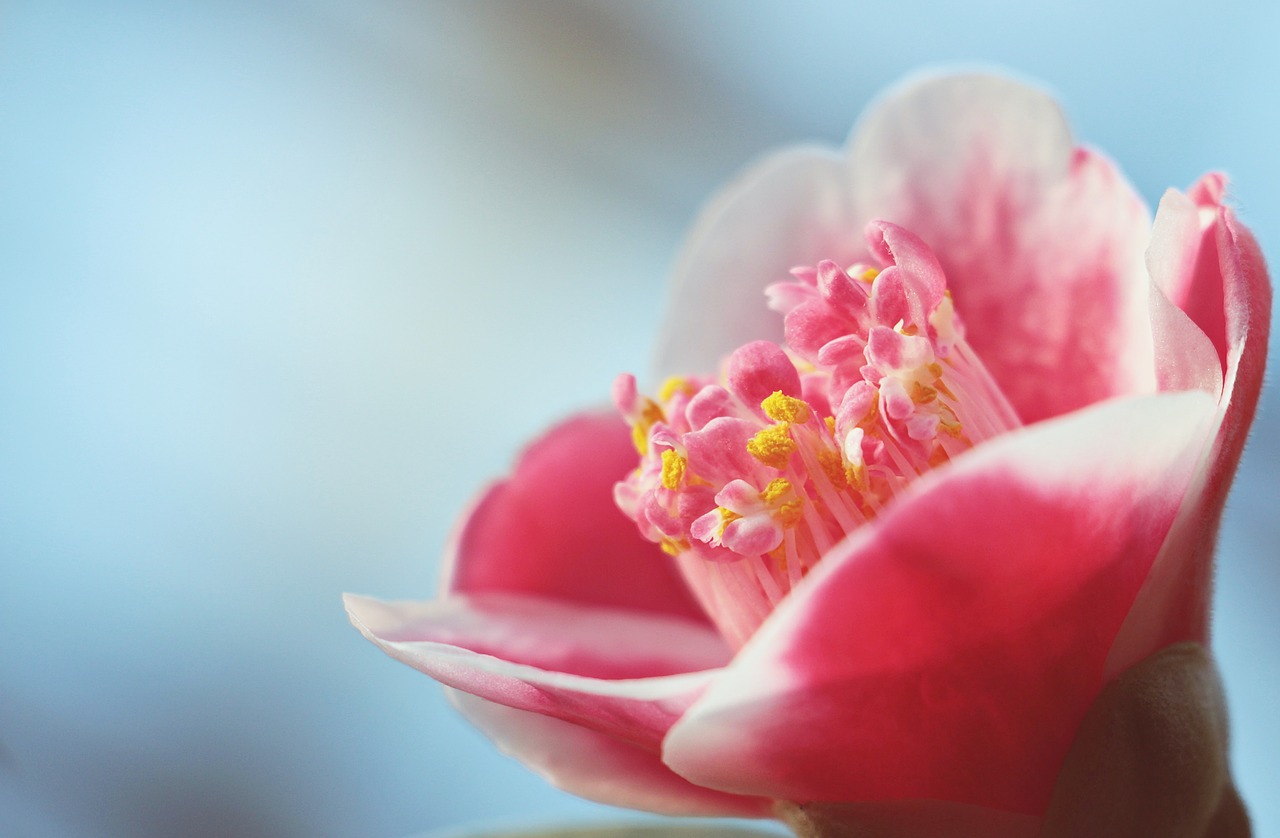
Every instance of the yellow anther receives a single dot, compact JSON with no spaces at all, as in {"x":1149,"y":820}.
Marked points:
{"x":783,"y":408}
{"x":674,"y":384}
{"x":869,"y":275}
{"x":777,"y":488}
{"x":832,"y":466}
{"x":673,"y":466}
{"x":640,"y":437}
{"x":649,"y":414}
{"x":652,"y":412}
{"x":673,"y":547}
{"x":727,"y":517}
{"x":949,"y":423}
{"x":923,"y":393}
{"x":791,"y":512}
{"x":856,"y":477}
{"x":773,"y":446}
{"x":830,"y":422}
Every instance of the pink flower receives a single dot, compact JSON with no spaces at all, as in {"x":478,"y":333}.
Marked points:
{"x":1015,"y":498}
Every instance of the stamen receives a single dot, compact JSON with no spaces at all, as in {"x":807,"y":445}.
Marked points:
{"x":773,"y":446}
{"x":748,"y":479}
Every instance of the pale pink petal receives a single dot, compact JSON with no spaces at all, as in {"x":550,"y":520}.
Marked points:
{"x":1042,"y":243}
{"x":598,"y":767}
{"x":552,"y":528}
{"x":625,"y":673}
{"x":718,"y":452}
{"x":963,"y":636}
{"x":1198,"y":287}
{"x":1185,"y":359}
{"x":791,"y":208}
{"x":753,"y":536}
{"x":1175,"y":245}
{"x":1173,"y":605}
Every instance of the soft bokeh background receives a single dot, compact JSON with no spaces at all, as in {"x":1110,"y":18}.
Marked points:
{"x":285,"y":283}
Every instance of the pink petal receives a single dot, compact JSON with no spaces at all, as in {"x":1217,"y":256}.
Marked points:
{"x":552,"y":528}
{"x":598,"y":767}
{"x":791,"y":208}
{"x":1173,"y":606}
{"x":1042,"y":243}
{"x":718,"y":452}
{"x":962,"y":637}
{"x":1176,"y":236}
{"x":913,"y":284}
{"x":1184,"y":260}
{"x":753,"y":536}
{"x":627,"y":674}
{"x":758,"y":369}
{"x":1185,"y":359}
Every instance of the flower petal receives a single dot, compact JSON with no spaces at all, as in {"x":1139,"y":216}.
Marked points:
{"x":1173,"y":605}
{"x":1185,"y":359}
{"x":596,"y":766}
{"x":552,"y":529}
{"x":962,"y":637}
{"x":791,"y":208}
{"x":627,"y":674}
{"x":1042,"y":243}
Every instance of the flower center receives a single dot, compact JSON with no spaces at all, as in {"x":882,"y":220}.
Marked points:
{"x":747,"y":479}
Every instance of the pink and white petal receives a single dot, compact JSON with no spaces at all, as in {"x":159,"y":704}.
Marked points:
{"x":1173,"y":605}
{"x":791,"y":208}
{"x":1185,"y":359}
{"x":552,"y":528}
{"x":752,"y":536}
{"x":1042,"y":243}
{"x":1175,"y":245}
{"x":1183,"y":257}
{"x":963,"y":636}
{"x":627,"y":674}
{"x":598,"y":767}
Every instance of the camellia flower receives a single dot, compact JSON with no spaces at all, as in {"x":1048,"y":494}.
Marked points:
{"x":940,"y":440}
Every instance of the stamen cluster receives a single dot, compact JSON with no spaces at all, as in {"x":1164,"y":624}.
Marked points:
{"x":748,"y":479}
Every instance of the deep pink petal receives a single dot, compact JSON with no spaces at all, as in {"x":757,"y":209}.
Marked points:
{"x":962,"y":637}
{"x":1042,"y":243}
{"x":791,"y":208}
{"x":627,"y":674}
{"x":1173,"y":606}
{"x":552,"y":528}
{"x":598,"y":767}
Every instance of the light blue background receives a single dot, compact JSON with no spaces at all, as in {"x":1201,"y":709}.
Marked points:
{"x":283,"y":284}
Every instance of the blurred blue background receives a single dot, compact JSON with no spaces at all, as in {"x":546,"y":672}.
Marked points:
{"x":284,"y":283}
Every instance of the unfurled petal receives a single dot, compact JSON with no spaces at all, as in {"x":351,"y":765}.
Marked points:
{"x":789,"y":209}
{"x":1042,"y":243}
{"x":552,"y":529}
{"x":963,"y":637}
{"x":598,"y":767}
{"x":1173,"y":605}
{"x":627,"y":674}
